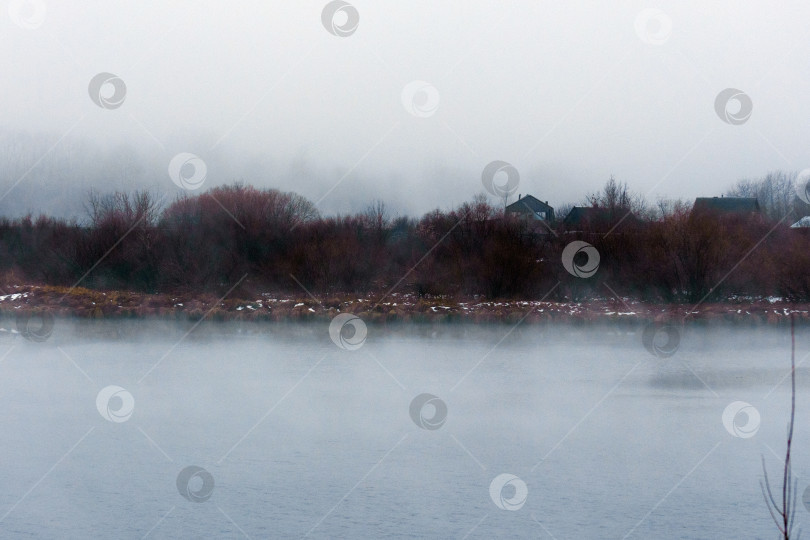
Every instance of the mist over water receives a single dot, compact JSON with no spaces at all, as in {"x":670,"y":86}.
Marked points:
{"x":301,"y":436}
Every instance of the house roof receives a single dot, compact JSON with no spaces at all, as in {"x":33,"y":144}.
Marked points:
{"x":594,"y":216}
{"x":738,"y":205}
{"x":584,"y":214}
{"x":532,"y":203}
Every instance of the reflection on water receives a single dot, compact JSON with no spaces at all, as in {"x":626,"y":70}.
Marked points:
{"x":231,"y":430}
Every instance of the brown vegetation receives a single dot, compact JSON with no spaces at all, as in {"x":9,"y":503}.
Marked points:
{"x":204,"y":244}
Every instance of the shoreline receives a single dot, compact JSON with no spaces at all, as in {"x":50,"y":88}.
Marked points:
{"x":272,"y":307}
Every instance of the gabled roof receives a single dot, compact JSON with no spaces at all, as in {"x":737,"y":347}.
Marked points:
{"x":594,"y":216}
{"x":532,"y":207}
{"x":736,"y":205}
{"x":586,"y":214}
{"x":532,"y":203}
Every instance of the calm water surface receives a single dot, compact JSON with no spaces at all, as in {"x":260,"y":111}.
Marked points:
{"x":302,"y":438}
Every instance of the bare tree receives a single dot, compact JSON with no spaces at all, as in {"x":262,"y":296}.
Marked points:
{"x":784,"y":513}
{"x":562,"y":211}
{"x":776,"y":193}
{"x":298,"y":208}
{"x":666,"y":207}
{"x":616,"y":197}
{"x":129,"y":208}
{"x":376,"y":215}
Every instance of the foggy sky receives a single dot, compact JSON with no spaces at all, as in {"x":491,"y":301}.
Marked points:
{"x":567,"y":92}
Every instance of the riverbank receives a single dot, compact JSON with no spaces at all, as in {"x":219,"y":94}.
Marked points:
{"x":397,"y":307}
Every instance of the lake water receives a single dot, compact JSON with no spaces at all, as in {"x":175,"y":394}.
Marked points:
{"x":303,"y":438}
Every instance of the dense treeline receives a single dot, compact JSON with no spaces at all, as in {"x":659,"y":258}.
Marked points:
{"x":208,"y":242}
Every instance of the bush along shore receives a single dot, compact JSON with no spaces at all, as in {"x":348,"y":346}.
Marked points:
{"x":278,"y":242}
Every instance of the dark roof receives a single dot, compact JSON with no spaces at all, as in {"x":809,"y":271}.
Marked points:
{"x":585,"y":214}
{"x":528,"y":201}
{"x":595,"y":217}
{"x":529,"y":205}
{"x":736,"y":205}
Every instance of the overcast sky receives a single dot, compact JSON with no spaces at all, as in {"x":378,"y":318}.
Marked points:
{"x":568,"y":92}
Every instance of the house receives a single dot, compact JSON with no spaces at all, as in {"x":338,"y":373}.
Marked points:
{"x":726,"y":205}
{"x":530,"y":207}
{"x":597,"y":218}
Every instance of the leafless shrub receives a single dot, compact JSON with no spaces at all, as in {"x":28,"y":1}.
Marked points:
{"x":784,"y":512}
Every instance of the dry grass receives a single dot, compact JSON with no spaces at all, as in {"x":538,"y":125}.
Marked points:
{"x":112,"y":304}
